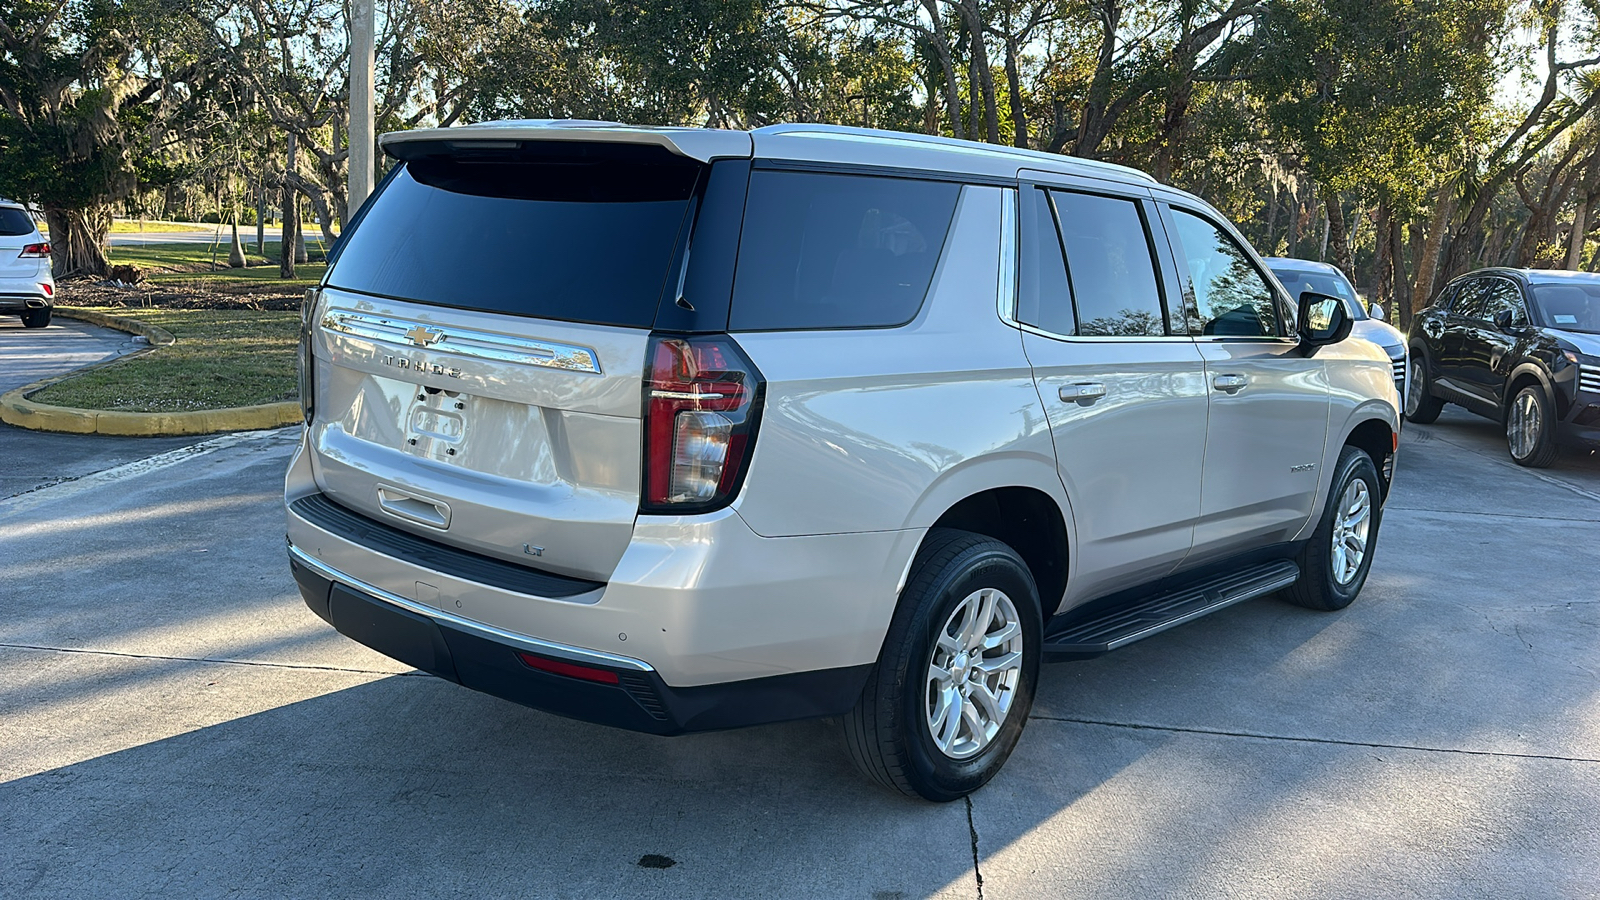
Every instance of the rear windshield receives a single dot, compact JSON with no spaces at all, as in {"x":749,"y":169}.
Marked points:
{"x":580,"y":240}
{"x":837,"y":251}
{"x":14,"y":222}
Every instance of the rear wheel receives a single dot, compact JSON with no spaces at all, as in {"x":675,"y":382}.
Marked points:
{"x":1530,"y":429}
{"x":1421,"y":406}
{"x":1335,"y":562}
{"x":36,"y":318}
{"x":950,"y":694}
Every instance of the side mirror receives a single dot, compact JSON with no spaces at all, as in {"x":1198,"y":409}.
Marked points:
{"x":1376,"y":311}
{"x":1324,"y":319}
{"x":1505,"y":320}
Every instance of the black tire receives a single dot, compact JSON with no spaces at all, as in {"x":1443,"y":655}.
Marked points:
{"x":1422,"y":407}
{"x":1539,"y":444}
{"x":888,"y":735}
{"x":1320,"y":587}
{"x":36,"y":318}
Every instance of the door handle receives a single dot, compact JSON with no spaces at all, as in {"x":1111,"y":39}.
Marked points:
{"x":1085,"y":392}
{"x":1229,"y":384}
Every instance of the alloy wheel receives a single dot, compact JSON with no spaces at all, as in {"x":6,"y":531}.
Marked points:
{"x":1351,"y":525}
{"x":974,"y":673}
{"x":1524,"y":425}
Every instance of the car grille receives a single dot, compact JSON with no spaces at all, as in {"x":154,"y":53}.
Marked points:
{"x":1399,"y":366}
{"x":1589,"y":380}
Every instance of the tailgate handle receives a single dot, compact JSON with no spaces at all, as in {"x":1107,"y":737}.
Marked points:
{"x":413,"y":507}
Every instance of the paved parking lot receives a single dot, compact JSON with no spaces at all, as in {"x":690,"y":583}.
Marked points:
{"x":174,"y":722}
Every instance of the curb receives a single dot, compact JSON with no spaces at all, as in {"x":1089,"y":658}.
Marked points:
{"x":16,"y":409}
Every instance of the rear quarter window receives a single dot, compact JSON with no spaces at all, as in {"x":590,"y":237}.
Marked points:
{"x":822,"y":251}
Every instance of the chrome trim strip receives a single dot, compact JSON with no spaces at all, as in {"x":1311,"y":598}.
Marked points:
{"x":488,"y":632}
{"x":1006,"y":292}
{"x":464,"y":342}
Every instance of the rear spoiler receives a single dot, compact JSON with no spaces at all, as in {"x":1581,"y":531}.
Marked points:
{"x":702,"y":144}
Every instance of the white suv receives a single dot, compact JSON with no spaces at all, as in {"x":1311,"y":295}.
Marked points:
{"x":26,"y":286}
{"x":681,"y":429}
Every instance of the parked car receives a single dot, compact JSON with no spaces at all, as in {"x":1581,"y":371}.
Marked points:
{"x":1520,"y":346}
{"x":27,"y":288}
{"x":682,"y":429}
{"x":1309,"y":275}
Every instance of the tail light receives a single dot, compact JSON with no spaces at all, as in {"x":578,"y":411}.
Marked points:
{"x":702,"y":399}
{"x":48,"y":288}
{"x":35,"y":251}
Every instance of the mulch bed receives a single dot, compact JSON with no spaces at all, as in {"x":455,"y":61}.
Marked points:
{"x":197,"y":294}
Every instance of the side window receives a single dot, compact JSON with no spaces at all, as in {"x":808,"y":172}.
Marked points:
{"x":837,"y":251}
{"x":1231,"y":297}
{"x":1044,"y":299}
{"x":1470,"y":301}
{"x":1111,"y":267}
{"x":1503,"y":295}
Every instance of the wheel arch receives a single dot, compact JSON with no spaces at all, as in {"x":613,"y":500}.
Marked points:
{"x":1018,"y":500}
{"x":1379,"y":440}
{"x":1523,"y":375}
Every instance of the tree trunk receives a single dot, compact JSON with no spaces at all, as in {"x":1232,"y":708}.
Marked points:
{"x":984,"y":76}
{"x":1019,"y":116}
{"x":1580,"y":231}
{"x":1271,"y":245}
{"x":291,"y":216}
{"x":1396,"y":311}
{"x":1383,"y":265}
{"x":77,"y":241}
{"x":236,"y":258}
{"x":941,"y":48}
{"x":1444,"y":209}
{"x":261,"y":217}
{"x":1294,"y":223}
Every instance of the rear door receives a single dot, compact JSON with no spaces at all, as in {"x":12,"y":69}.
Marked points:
{"x":1484,"y":346}
{"x":1123,"y":390}
{"x":1268,"y":402}
{"x":481,"y":346}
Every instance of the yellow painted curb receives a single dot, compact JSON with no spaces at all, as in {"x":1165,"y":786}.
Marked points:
{"x":17,"y":409}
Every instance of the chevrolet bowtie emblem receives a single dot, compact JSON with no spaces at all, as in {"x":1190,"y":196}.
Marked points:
{"x":422,"y":337}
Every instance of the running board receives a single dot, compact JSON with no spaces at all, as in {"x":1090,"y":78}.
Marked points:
{"x":1101,"y":631}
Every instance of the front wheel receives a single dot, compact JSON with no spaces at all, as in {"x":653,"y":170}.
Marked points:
{"x":1421,"y":406}
{"x":1530,"y":429}
{"x":1335,"y":562}
{"x":950,"y":694}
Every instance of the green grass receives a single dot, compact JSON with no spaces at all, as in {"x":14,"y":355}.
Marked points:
{"x":167,"y":263}
{"x":222,"y":359}
{"x":131,"y":226}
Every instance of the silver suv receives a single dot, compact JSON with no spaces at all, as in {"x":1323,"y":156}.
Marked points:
{"x":682,"y":429}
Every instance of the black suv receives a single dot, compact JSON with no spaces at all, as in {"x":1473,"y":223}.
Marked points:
{"x":1520,"y":346}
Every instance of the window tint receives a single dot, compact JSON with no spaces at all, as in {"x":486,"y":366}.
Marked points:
{"x":1110,"y":267}
{"x":1501,"y":294}
{"x":1570,"y":307}
{"x":14,"y":222}
{"x":580,"y":240}
{"x":837,"y":251}
{"x":1470,"y":301}
{"x":1231,"y":298}
{"x":1043,"y":298}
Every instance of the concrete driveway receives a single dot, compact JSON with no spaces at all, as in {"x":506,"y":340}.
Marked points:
{"x":174,"y":722}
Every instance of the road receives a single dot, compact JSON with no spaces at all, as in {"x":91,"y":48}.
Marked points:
{"x":174,"y":722}
{"x":34,"y":458}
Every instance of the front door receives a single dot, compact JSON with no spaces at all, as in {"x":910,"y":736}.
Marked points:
{"x":1484,"y":346}
{"x":1125,"y":398}
{"x":1269,"y":403}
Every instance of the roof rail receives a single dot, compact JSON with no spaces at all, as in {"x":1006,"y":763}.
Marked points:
{"x":956,"y":144}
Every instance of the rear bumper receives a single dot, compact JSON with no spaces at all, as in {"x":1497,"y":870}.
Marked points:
{"x":610,"y":690}
{"x":16,"y":302}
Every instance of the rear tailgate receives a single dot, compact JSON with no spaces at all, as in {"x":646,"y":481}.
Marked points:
{"x":481,"y":344}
